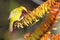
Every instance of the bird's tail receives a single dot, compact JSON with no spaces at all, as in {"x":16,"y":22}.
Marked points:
{"x":11,"y":26}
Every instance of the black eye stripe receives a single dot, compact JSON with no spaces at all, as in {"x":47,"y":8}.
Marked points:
{"x":24,"y":12}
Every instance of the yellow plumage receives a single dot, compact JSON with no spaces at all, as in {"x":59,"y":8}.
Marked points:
{"x":15,"y":16}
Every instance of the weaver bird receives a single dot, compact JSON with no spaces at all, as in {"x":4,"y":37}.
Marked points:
{"x":15,"y":15}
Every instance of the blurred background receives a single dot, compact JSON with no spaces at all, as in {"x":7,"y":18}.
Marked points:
{"x":5,"y":7}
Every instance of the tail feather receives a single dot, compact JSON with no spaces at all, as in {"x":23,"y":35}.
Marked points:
{"x":11,"y":26}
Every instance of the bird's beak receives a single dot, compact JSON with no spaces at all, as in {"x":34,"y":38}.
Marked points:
{"x":25,"y":10}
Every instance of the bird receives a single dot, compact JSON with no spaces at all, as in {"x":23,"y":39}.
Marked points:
{"x":15,"y":15}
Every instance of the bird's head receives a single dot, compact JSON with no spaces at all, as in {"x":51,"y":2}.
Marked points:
{"x":23,"y":8}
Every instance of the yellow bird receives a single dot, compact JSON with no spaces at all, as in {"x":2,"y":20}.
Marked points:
{"x":15,"y":15}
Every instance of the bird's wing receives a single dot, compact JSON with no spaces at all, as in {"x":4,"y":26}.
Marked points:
{"x":13,"y":13}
